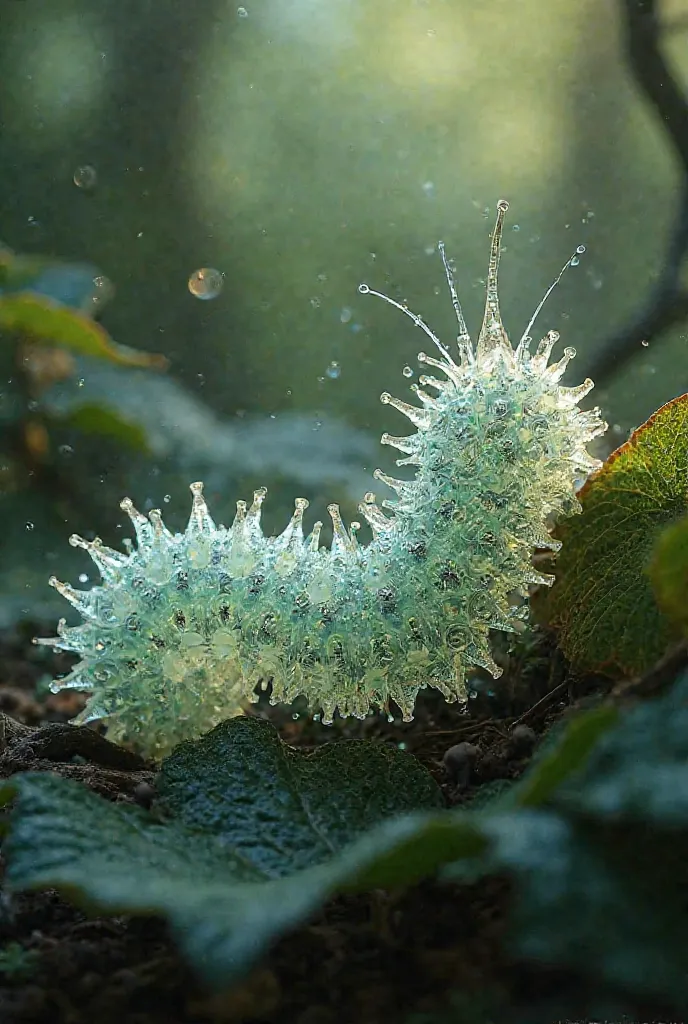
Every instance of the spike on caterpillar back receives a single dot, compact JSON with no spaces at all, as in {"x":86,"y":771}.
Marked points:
{"x":184,"y":628}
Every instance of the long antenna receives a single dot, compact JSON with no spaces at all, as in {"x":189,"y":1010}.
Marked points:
{"x":365,"y":290}
{"x":463,"y":339}
{"x":572,"y":261}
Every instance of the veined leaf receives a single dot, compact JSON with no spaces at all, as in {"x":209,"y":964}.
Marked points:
{"x":602,"y":602}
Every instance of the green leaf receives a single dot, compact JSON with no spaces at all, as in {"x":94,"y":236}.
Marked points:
{"x":602,"y":883}
{"x":50,"y":322}
{"x":669,"y":572}
{"x":100,"y":419}
{"x":247,"y":838}
{"x":568,"y":753}
{"x":280,"y":807}
{"x":602,"y":602}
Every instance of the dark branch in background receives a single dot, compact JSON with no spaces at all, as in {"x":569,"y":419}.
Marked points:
{"x":668,"y":301}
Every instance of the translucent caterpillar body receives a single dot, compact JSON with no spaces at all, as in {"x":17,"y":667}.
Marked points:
{"x":184,"y":627}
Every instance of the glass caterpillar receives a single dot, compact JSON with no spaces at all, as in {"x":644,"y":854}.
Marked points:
{"x":185,"y":628}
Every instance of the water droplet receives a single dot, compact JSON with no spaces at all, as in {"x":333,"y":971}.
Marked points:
{"x":334,"y":370}
{"x":345,"y":315}
{"x":206,"y":283}
{"x":29,"y":526}
{"x":83,"y":577}
{"x":167,"y":498}
{"x":104,"y":289}
{"x":85,"y":177}
{"x":407,"y":371}
{"x":242,"y":12}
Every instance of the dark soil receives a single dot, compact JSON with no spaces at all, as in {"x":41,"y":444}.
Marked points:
{"x":431,"y":954}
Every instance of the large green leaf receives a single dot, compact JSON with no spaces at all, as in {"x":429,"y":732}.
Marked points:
{"x":44,"y":320}
{"x":247,"y":838}
{"x":602,"y":602}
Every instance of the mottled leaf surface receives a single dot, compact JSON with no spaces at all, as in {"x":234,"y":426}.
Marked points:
{"x":602,"y":603}
{"x":247,"y":838}
{"x":282,"y":808}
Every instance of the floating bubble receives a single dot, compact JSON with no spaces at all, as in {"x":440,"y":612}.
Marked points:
{"x":242,"y":12}
{"x":85,"y":177}
{"x":206,"y":283}
{"x":29,"y":526}
{"x":83,"y":577}
{"x":407,"y":371}
{"x":345,"y":315}
{"x":333,"y":370}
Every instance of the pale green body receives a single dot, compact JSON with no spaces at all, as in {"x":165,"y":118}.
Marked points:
{"x":185,"y":628}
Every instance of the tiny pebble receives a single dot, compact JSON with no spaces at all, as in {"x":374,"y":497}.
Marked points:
{"x":523,"y":739}
{"x":458,"y":761}
{"x":144,"y":793}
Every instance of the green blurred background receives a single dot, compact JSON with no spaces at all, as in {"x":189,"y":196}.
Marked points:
{"x":300,"y":147}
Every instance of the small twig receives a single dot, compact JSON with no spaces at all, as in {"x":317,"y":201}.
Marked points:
{"x":668,"y":302}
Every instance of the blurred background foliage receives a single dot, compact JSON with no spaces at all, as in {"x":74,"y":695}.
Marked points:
{"x":300,"y":147}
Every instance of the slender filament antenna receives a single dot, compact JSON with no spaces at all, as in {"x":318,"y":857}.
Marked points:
{"x":463,"y":338}
{"x":571,"y":261}
{"x":365,"y":290}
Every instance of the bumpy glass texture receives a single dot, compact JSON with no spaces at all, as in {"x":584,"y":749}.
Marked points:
{"x":185,"y":628}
